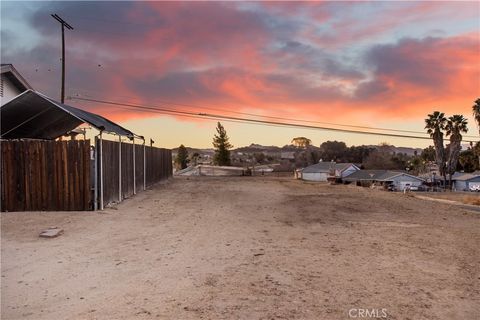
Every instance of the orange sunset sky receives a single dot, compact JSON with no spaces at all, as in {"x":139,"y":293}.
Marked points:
{"x":378,"y":64}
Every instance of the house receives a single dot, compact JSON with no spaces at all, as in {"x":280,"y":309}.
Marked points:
{"x":11,"y":83}
{"x":323,"y":170}
{"x":399,"y":179}
{"x":466,"y":182}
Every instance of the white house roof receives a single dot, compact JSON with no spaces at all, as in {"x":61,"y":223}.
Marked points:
{"x":378,"y":175}
{"x":465,"y":177}
{"x":327,"y":166}
{"x":9,"y":71}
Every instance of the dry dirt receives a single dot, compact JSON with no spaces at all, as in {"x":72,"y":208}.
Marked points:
{"x":245,"y":248}
{"x":472,"y":198}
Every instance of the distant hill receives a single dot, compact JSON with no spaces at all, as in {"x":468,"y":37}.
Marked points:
{"x":408,"y":151}
{"x":257,"y":148}
{"x":193,"y":150}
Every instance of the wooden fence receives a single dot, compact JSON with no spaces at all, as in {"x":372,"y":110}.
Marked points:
{"x":39,"y":175}
{"x":45,"y":175}
{"x":118,"y":169}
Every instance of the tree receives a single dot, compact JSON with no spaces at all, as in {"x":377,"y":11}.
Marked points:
{"x":380,"y":158}
{"x":259,"y":157}
{"x":358,"y":154}
{"x":222,"y":146}
{"x":301,"y":142}
{"x":416,"y":165}
{"x":195,"y":158}
{"x":435,"y":124}
{"x":312,"y":155}
{"x":476,"y":113}
{"x":333,"y":151}
{"x":456,"y":125}
{"x":467,"y":161}
{"x":182,"y":157}
{"x":428,"y":154}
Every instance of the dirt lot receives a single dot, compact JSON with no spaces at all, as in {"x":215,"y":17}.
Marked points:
{"x":245,"y":248}
{"x":472,"y":198}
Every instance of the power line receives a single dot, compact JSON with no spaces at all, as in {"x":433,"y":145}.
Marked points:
{"x":73,"y":17}
{"x":289,"y":119}
{"x":264,"y":122}
{"x":241,"y":113}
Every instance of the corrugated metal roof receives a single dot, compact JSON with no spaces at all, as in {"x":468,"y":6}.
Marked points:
{"x":36,"y":116}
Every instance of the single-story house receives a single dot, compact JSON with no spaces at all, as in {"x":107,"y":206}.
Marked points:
{"x":398,"y":179}
{"x":466,"y":182}
{"x":323,"y":170}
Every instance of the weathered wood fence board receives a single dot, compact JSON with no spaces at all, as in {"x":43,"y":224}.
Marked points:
{"x":110,"y":171}
{"x":158,"y":166}
{"x":45,"y":175}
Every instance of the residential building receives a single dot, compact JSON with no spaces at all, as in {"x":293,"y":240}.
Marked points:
{"x":466,"y":182}
{"x":398,"y":179}
{"x":322,"y":171}
{"x":11,"y":83}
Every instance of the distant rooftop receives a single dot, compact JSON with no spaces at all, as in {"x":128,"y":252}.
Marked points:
{"x":376,"y":175}
{"x":326,"y":167}
{"x":9,"y":71}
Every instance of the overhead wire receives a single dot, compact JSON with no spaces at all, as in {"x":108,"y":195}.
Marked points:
{"x":244,"y":120}
{"x":266,"y":116}
{"x":288,"y":119}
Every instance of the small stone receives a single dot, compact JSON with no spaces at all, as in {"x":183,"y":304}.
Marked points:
{"x":51,"y":232}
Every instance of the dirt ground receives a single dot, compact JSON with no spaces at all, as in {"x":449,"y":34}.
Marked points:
{"x":472,"y":198}
{"x":245,"y":248}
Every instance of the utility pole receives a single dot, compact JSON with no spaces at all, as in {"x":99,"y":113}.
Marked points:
{"x":69,"y":27}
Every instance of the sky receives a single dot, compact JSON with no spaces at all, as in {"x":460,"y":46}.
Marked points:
{"x":383,"y":64}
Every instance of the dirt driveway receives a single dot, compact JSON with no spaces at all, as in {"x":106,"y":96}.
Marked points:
{"x":245,"y":248}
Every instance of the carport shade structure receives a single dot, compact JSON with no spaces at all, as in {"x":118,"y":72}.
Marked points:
{"x":33,"y":115}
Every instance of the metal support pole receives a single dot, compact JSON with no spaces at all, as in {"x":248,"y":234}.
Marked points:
{"x":95,"y":195}
{"x":144,"y":168}
{"x":134,"y":173}
{"x":101,"y":171}
{"x":119,"y":168}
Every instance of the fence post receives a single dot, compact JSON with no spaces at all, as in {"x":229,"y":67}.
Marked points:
{"x":144,"y":168}
{"x":119,"y":168}
{"x":134,"y":173}
{"x":101,"y":171}
{"x":95,"y":196}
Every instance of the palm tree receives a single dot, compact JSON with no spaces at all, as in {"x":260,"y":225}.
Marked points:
{"x":435,"y":124}
{"x":456,"y":125}
{"x":476,"y":112}
{"x":476,"y":115}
